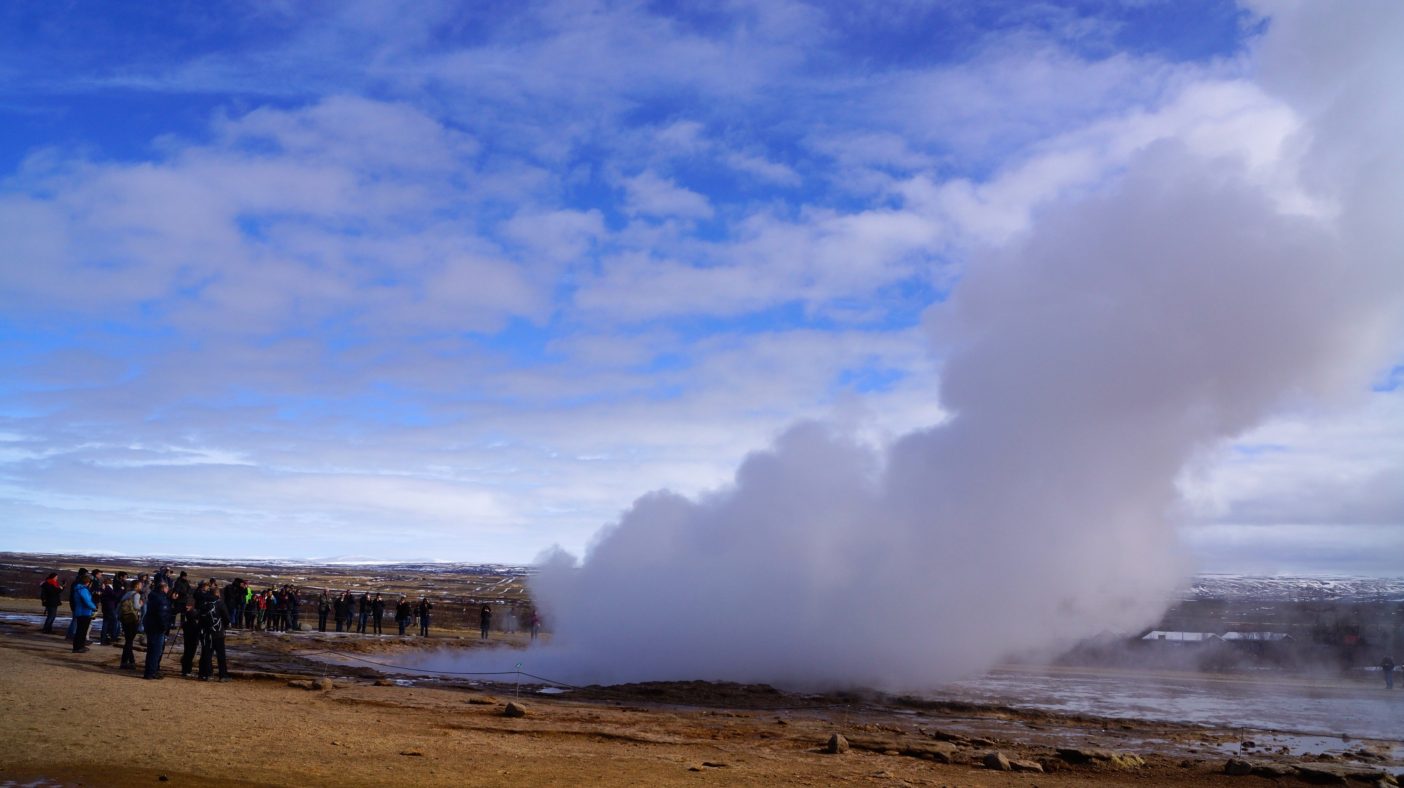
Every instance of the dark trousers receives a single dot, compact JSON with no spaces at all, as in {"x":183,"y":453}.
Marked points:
{"x":236,"y":616}
{"x":111,"y":628}
{"x":375,"y":621}
{"x":339,"y":621}
{"x":322,"y":620}
{"x":50,"y":613}
{"x":361,"y":626}
{"x":155,"y":645}
{"x":424,"y":625}
{"x":129,"y":633}
{"x":404,"y":624}
{"x":187,"y":657}
{"x":213,"y":644}
{"x":80,"y":632}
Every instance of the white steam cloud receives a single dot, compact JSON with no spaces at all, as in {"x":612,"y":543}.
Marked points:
{"x":1085,"y":367}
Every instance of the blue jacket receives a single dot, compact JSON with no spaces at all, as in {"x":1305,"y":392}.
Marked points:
{"x":83,"y":603}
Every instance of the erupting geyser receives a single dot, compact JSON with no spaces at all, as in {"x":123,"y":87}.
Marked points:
{"x":1085,"y":366}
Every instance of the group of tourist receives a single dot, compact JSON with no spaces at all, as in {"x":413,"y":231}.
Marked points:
{"x":143,"y":606}
{"x":152,"y":606}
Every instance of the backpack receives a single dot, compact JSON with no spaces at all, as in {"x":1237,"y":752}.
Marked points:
{"x":127,"y":611}
{"x":209,"y":618}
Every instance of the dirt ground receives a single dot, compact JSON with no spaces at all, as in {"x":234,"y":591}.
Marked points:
{"x":74,"y":719}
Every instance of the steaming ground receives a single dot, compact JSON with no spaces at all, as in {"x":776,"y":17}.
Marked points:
{"x":1086,"y":366}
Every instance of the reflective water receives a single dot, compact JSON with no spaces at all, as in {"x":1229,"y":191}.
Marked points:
{"x":1320,"y":706}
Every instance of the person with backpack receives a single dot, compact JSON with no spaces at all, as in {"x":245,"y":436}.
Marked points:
{"x":212,"y":616}
{"x":50,"y":596}
{"x":129,"y":612}
{"x":83,"y":610}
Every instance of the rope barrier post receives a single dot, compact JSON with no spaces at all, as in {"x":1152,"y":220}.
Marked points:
{"x":517,"y":693}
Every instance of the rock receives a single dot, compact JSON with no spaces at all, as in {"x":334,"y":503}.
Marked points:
{"x":414,"y":753}
{"x":837,"y":744}
{"x":1237,"y":767}
{"x":1126,"y":760}
{"x":514,"y":710}
{"x":716,"y":765}
{"x":1274,"y":771}
{"x":384,"y":683}
{"x":1024,"y":765}
{"x":1100,"y":757}
{"x":940,"y":752}
{"x":484,"y":701}
{"x":1321,"y":775}
{"x":1080,"y":755}
{"x":323,"y":683}
{"x":303,"y":684}
{"x":996,"y":761}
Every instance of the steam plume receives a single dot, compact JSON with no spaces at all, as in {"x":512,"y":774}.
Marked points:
{"x":1086,"y":366}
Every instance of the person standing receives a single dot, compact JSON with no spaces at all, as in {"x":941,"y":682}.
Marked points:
{"x":339,"y":607}
{"x":129,"y":611}
{"x":157,"y":619}
{"x":363,"y":612}
{"x":403,"y":614}
{"x":422,"y":611}
{"x":294,"y":606}
{"x":1387,"y":667}
{"x":50,"y":596}
{"x":83,"y":610}
{"x":377,"y":613}
{"x":535,"y":624}
{"x":190,"y":637}
{"x":324,"y":607}
{"x":231,"y":602}
{"x":485,"y":621}
{"x":212,"y":616}
{"x":72,"y":590}
{"x":109,"y":596}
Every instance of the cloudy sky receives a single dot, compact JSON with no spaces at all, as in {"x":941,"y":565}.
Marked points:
{"x":458,"y":281}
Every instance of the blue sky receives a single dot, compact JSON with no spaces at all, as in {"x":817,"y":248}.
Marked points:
{"x":445,"y":280}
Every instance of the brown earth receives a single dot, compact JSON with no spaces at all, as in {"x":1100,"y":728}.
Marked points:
{"x":74,"y":719}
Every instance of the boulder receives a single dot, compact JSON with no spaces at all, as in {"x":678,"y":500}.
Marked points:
{"x":323,"y":683}
{"x":837,"y":744}
{"x":303,"y":684}
{"x":1025,"y":765}
{"x":514,"y":710}
{"x":1238,"y":767}
{"x":996,"y":761}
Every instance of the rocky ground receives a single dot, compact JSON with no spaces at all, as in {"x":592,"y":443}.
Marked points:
{"x":293,"y":719}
